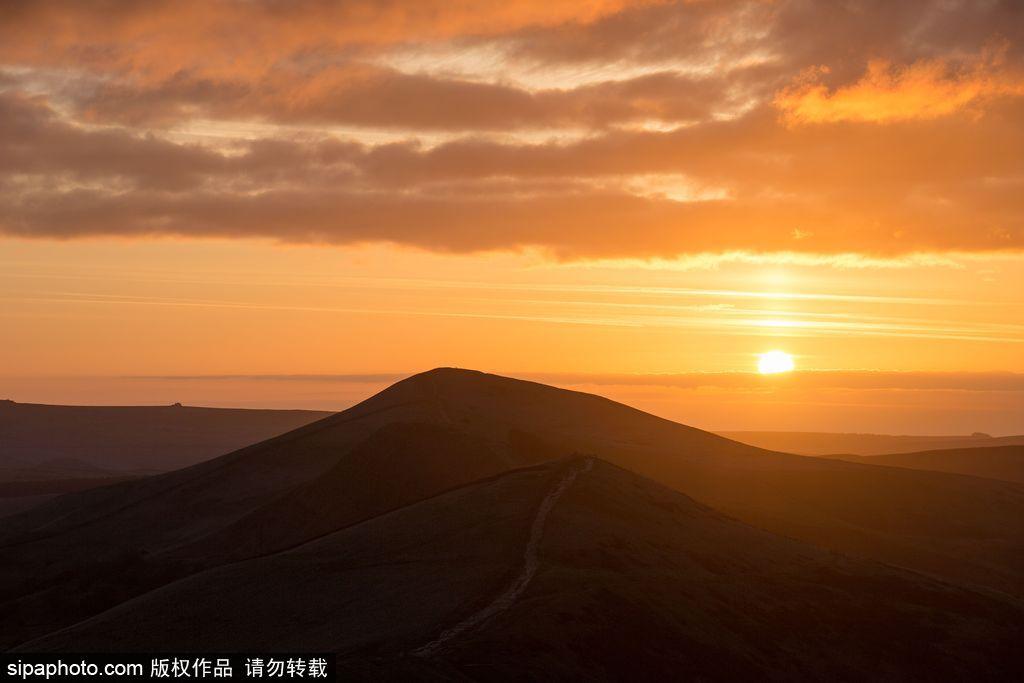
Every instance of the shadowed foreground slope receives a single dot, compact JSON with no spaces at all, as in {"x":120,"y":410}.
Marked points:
{"x":624,"y":579}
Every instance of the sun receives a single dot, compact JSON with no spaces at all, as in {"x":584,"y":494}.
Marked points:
{"x":771,"y":362}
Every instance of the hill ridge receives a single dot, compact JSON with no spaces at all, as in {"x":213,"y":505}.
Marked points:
{"x":398,"y":447}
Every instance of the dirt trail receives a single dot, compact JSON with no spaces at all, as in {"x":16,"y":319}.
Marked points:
{"x":530,"y":563}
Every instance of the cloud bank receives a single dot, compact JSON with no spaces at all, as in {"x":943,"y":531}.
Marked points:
{"x":601,"y":129}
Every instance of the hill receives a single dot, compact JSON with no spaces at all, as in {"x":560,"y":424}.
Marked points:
{"x":22,"y":488}
{"x":134,"y":438}
{"x":994,"y":462}
{"x":444,"y":429}
{"x":827,"y":443}
{"x":543,"y":571}
{"x":55,"y":469}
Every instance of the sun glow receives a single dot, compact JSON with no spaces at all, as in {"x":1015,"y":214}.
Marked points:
{"x":771,"y":362}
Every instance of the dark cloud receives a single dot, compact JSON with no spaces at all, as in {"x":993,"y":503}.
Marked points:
{"x":382,"y":98}
{"x":155,"y":39}
{"x":35,"y":141}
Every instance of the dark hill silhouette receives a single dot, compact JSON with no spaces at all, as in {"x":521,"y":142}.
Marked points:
{"x":134,"y":438}
{"x":573,"y":570}
{"x":978,"y":455}
{"x":830,"y":443}
{"x":79,"y":554}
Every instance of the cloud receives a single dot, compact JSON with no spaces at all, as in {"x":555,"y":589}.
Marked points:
{"x":867,"y":192}
{"x":35,"y":142}
{"x":848,"y":260}
{"x":366,"y":95}
{"x":572,"y":226}
{"x":460,"y":127}
{"x":888,"y":92}
{"x":157,"y":39}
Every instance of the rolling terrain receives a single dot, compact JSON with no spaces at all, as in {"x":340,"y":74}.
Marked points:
{"x":23,"y":487}
{"x":928,"y":552}
{"x":133,"y":438}
{"x":48,"y":450}
{"x":993,"y":462}
{"x":556,"y":560}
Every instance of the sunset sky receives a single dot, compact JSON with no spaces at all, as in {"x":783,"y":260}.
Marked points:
{"x":292,"y":204}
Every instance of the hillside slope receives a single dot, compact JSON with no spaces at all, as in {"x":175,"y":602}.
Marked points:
{"x":542,"y":571}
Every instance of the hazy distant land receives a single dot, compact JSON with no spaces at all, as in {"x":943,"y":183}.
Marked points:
{"x":830,"y":443}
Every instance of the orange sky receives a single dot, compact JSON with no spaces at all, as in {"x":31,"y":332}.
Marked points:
{"x":636,"y":198}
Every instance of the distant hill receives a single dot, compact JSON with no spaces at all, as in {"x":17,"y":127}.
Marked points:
{"x":57,"y":468}
{"x":995,"y":462}
{"x":826,"y":443}
{"x":133,"y":438}
{"x":447,"y":428}
{"x":572,"y":570}
{"x":978,"y":455}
